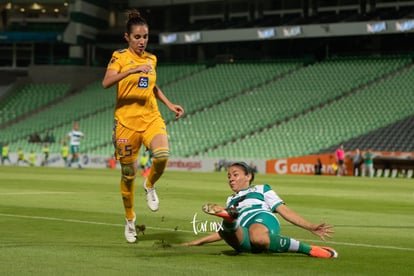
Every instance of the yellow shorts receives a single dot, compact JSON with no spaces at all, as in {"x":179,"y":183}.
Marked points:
{"x":128,"y":142}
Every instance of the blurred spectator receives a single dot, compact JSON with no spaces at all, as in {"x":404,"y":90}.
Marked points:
{"x":34,"y":138}
{"x":45,"y":150}
{"x":143,"y":160}
{"x":318,"y":167}
{"x":253,"y":167}
{"x":369,"y":163}
{"x":49,"y":138}
{"x":340,"y":159}
{"x":5,"y":154}
{"x":32,"y":158}
{"x":222,"y":165}
{"x":111,"y":162}
{"x":147,"y":166}
{"x":357,"y":162}
{"x":21,"y":157}
{"x":64,"y":152}
{"x":332,"y":167}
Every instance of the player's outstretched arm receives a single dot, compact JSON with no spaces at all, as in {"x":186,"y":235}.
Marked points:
{"x":207,"y":239}
{"x":322,"y":230}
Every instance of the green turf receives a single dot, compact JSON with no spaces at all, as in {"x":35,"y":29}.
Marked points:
{"x":70,"y":222}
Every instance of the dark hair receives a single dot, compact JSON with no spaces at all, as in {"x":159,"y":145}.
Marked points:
{"x":246,"y":168}
{"x":134,"y":18}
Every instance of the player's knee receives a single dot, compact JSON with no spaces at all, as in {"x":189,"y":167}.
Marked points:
{"x":260,"y":242}
{"x":128,"y":178}
{"x":160,"y":154}
{"x":160,"y":157}
{"x":128,"y":173}
{"x":259,"y":237}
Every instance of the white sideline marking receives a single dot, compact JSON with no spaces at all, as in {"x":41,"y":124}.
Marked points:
{"x":36,"y":193}
{"x":188,"y":231}
{"x":89,"y":222}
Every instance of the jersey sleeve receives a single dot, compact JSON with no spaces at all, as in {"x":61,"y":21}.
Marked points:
{"x":271,"y":198}
{"x":114,"y":63}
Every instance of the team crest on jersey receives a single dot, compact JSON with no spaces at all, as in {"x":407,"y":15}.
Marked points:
{"x":143,"y":82}
{"x":113,"y":60}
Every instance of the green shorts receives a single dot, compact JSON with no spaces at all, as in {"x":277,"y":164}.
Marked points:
{"x":265,"y":218}
{"x":74,"y":149}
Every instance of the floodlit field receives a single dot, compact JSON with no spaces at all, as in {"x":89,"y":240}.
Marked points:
{"x":71,"y":222}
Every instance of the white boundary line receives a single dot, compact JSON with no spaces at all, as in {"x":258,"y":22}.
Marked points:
{"x":89,"y":222}
{"x":36,"y":193}
{"x":188,"y":231}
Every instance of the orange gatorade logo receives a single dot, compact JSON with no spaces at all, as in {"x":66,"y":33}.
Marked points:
{"x":304,"y":164}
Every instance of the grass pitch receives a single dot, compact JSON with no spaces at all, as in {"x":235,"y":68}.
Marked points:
{"x":70,"y":222}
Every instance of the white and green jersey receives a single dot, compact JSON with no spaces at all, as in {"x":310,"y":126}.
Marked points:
{"x":75,"y":137}
{"x":254,"y":200}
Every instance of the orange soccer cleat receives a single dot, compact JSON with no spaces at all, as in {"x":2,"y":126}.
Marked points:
{"x":323,"y":252}
{"x":228,"y":214}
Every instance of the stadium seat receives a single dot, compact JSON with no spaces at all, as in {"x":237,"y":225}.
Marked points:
{"x":272,"y":109}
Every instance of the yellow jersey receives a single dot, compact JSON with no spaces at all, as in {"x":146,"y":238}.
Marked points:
{"x":20,"y":155}
{"x":136,"y":105}
{"x":32,"y":158}
{"x":65,"y":151}
{"x":143,"y":161}
{"x":5,"y":151}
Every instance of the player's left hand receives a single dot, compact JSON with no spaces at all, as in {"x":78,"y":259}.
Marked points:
{"x":322,"y":230}
{"x":179,"y":111}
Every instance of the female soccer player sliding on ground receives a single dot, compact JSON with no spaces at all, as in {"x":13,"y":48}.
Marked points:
{"x":249,"y":224}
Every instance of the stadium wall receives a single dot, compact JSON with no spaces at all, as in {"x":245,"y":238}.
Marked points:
{"x":174,"y":164}
{"x":397,"y":164}
{"x":384,"y":163}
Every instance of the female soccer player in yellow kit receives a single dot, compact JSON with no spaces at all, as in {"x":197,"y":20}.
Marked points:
{"x":137,"y":117}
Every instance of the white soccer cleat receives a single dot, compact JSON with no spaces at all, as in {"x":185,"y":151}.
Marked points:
{"x":130,"y":231}
{"x":152,"y":197}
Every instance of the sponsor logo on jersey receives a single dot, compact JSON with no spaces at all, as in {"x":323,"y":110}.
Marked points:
{"x":123,"y":140}
{"x":143,"y":82}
